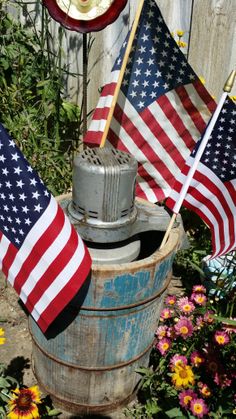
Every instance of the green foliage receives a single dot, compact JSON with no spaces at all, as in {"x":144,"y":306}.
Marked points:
{"x":45,"y":125}
{"x":187,"y":263}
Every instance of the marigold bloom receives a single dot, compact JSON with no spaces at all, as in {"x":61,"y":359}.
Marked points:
{"x":23,"y":404}
{"x":196,"y":358}
{"x":199,"y":298}
{"x":221,"y":337}
{"x":185,"y":398}
{"x":185,"y":305}
{"x":199,"y":288}
{"x":2,"y":339}
{"x":170,"y":300}
{"x":184,"y":327}
{"x":198,"y":408}
{"x":183,"y":376}
{"x":177,"y":360}
{"x":163,"y":345}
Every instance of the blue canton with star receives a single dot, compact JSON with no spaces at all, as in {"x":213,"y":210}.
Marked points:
{"x":156,"y":64}
{"x":220,"y":152}
{"x":23,"y":196}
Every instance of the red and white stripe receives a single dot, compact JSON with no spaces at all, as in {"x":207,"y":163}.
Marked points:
{"x":214,"y":201}
{"x":50,"y":266}
{"x":161,"y":137}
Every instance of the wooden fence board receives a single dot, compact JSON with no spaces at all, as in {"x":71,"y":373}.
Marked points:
{"x":212,"y":51}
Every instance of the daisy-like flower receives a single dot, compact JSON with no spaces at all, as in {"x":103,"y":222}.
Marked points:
{"x":161,"y":332}
{"x":177,"y":360}
{"x":198,"y":408}
{"x":23,"y":404}
{"x":196,"y":358}
{"x":199,"y":288}
{"x":163,"y":345}
{"x":170,"y":300}
{"x":185,"y":397}
{"x":184,"y":327}
{"x":183,"y":376}
{"x":2,"y":339}
{"x":199,"y":298}
{"x":221,"y":337}
{"x":185,"y":305}
{"x":165,"y":314}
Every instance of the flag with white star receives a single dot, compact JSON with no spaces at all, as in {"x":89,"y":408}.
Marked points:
{"x":41,"y":254}
{"x":162,"y":107}
{"x":212,"y":191}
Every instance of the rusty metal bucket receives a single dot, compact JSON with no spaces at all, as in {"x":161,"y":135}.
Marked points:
{"x":89,"y":367}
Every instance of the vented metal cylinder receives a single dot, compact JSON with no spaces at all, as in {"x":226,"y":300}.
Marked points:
{"x":104,"y":191}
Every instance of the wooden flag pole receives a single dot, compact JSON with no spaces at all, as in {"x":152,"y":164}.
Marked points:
{"x":122,"y":71}
{"x":227,"y":88}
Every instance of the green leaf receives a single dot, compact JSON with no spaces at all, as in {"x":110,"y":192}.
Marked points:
{"x":4,"y":383}
{"x":175,"y":413}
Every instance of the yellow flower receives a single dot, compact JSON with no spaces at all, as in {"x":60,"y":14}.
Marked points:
{"x":23,"y":404}
{"x":181,"y":44}
{"x":180,"y":33}
{"x":2,"y":339}
{"x":183,"y":376}
{"x":202,"y":80}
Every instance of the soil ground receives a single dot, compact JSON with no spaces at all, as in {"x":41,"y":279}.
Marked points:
{"x":16,"y":352}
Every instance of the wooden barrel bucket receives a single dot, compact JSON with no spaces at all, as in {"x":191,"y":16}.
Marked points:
{"x":89,"y":367}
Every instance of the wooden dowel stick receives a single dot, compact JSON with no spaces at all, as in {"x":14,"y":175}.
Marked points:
{"x":167,"y":233}
{"x":121,"y":74}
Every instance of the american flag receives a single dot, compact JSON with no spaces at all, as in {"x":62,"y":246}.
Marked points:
{"x":41,"y":254}
{"x":212,"y":191}
{"x":162,"y":107}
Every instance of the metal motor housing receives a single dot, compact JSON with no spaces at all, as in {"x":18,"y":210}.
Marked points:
{"x":103,"y":194}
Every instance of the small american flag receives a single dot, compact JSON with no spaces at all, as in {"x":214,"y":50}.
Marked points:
{"x":162,"y":107}
{"x":41,"y":254}
{"x":212,"y":191}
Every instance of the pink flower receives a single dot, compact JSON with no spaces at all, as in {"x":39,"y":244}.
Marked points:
{"x":229,"y":328}
{"x":161,"y":332}
{"x":199,"y":322}
{"x":222,"y":380}
{"x":197,"y":358}
{"x":198,"y":408}
{"x":163,"y":345}
{"x":166,"y":314}
{"x":199,"y":298}
{"x":170,"y":300}
{"x":177,"y":360}
{"x":185,"y":305}
{"x":184,"y":327}
{"x":221,"y":337}
{"x":199,"y":288}
{"x":207,"y":317}
{"x":185,"y":398}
